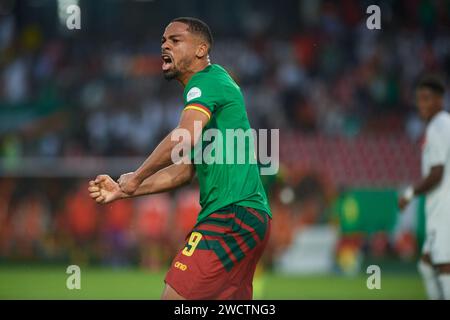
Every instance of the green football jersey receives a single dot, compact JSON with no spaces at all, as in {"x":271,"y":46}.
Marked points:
{"x":224,"y":158}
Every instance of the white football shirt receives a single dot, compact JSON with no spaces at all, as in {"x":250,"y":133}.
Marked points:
{"x":436,"y":151}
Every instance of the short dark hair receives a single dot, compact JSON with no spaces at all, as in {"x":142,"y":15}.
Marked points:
{"x":432,"y":82}
{"x":199,"y":27}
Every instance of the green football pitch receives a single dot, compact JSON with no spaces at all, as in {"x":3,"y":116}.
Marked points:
{"x":102,"y":283}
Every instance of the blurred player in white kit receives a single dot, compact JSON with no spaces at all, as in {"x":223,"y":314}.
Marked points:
{"x":434,"y":265}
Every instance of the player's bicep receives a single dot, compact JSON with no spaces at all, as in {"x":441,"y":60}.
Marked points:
{"x":193,"y":121}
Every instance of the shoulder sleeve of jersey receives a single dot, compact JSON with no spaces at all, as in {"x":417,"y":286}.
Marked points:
{"x":203,"y":95}
{"x":436,"y":147}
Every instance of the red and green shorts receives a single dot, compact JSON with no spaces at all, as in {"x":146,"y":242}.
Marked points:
{"x":220,"y":255}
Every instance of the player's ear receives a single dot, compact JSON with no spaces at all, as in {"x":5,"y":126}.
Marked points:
{"x":202,"y":50}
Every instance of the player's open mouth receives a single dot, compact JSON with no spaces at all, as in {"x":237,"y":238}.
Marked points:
{"x":167,"y":62}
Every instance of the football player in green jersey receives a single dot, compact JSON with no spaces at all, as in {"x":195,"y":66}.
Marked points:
{"x":219,"y":257}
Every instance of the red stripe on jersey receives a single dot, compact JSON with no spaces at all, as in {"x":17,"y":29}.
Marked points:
{"x":198,"y":105}
{"x":212,"y":227}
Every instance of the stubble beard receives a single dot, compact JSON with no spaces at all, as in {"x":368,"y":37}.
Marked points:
{"x":171,"y":74}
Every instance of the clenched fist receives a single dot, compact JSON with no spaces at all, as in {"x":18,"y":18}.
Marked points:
{"x":129,"y":182}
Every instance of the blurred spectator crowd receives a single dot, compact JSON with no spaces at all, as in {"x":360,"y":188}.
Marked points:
{"x":331,"y":75}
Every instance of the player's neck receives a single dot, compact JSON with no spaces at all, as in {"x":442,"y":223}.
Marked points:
{"x":184,"y":79}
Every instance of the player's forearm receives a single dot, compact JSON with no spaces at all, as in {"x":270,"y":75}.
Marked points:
{"x":430,"y":182}
{"x":169,"y":178}
{"x":160,"y":158}
{"x":190,"y":127}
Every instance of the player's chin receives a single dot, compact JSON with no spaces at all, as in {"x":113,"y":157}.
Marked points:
{"x":170,"y":74}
